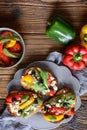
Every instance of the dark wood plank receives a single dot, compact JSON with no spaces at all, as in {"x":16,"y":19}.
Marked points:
{"x":29,"y":18}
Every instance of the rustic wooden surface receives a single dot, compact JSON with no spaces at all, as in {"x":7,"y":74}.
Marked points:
{"x":29,"y":18}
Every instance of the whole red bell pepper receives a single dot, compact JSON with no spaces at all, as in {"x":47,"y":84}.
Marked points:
{"x":75,"y":57}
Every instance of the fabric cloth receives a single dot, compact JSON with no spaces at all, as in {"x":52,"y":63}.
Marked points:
{"x":8,"y":122}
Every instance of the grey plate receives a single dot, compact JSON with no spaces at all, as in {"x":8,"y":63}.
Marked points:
{"x":64,"y":78}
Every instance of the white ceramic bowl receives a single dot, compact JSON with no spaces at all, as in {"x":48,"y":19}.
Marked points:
{"x":21,"y":42}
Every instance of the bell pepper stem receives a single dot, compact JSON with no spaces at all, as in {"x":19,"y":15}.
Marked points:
{"x":77,"y":57}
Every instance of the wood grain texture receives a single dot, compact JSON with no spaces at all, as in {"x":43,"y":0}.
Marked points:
{"x":30,"y":18}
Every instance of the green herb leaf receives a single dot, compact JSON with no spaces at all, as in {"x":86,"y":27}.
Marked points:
{"x":44,"y":76}
{"x":38,"y":87}
{"x":25,"y":98}
{"x":53,"y":118}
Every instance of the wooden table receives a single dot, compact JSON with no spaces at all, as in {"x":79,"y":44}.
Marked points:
{"x":29,"y":18}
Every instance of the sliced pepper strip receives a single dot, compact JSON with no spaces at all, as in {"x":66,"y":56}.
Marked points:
{"x":8,"y":38}
{"x":11,"y":44}
{"x":27,"y":103}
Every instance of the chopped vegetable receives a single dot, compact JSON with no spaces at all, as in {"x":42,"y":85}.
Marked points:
{"x":10,"y":54}
{"x":25,"y":98}
{"x":53,"y":118}
{"x":11,"y":43}
{"x":5,"y":33}
{"x":27,"y":103}
{"x":8,"y":38}
{"x":28,"y":79}
{"x":16,"y":48}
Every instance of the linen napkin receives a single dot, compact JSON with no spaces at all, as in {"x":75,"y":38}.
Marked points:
{"x":8,"y":122}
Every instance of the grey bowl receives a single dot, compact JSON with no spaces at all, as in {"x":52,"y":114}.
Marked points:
{"x":21,"y":42}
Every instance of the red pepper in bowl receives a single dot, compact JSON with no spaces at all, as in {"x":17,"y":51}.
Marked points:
{"x":75,"y":57}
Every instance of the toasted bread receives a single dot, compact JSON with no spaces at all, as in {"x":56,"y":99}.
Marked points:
{"x":23,"y":103}
{"x":60,"y":106}
{"x":39,"y":81}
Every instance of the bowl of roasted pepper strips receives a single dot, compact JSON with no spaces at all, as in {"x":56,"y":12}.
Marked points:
{"x":12,"y":48}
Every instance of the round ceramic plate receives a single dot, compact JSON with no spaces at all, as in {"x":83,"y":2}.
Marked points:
{"x":64,"y":78}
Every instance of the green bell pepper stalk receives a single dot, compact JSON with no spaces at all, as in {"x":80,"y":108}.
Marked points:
{"x":60,"y":30}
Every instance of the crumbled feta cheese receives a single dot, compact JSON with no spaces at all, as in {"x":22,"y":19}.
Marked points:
{"x":35,"y":96}
{"x":29,"y":72}
{"x":53,"y":83}
{"x":48,"y":105}
{"x":52,"y":78}
{"x":57,"y":105}
{"x":59,"y":101}
{"x":55,"y":88}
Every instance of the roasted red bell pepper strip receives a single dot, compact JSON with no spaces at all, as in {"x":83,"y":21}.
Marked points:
{"x":71,"y":113}
{"x":56,"y":110}
{"x":16,"y":48}
{"x":75,"y":57}
{"x":1,"y":47}
{"x":4,"y":58}
{"x":5,"y":33}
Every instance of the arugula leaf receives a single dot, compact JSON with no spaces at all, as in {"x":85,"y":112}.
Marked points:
{"x":25,"y":98}
{"x":38,"y":87}
{"x":44,"y":76}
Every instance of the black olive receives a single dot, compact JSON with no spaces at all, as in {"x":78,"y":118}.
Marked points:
{"x":46,"y":108}
{"x":33,"y":73}
{"x":41,"y":81}
{"x":19,"y":111}
{"x":51,"y":88}
{"x":66,"y":116}
{"x":65,"y":104}
{"x":36,"y":101}
{"x":14,"y":99}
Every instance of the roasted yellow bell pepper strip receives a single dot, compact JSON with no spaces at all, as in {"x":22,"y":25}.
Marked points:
{"x":11,"y":43}
{"x":54,"y":118}
{"x":28,"y":79}
{"x":27,"y":103}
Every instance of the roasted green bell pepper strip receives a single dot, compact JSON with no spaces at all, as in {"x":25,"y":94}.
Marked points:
{"x":60,"y":30}
{"x":6,"y":39}
{"x":10,"y":54}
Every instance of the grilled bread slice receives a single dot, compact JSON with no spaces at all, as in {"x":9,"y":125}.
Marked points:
{"x":23,"y":103}
{"x":59,"y":107}
{"x":40,"y":81}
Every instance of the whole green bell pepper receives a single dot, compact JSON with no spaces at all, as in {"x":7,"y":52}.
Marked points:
{"x":60,"y":30}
